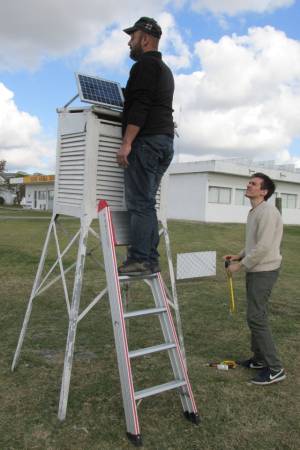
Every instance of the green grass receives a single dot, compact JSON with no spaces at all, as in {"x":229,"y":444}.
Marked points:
{"x":20,"y":212}
{"x":235,"y":415}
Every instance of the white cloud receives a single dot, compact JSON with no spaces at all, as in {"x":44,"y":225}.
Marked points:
{"x":31,"y":30}
{"x":21,"y":142}
{"x":112,"y":51}
{"x":245,"y":100}
{"x":234,"y":7}
{"x":176,"y":53}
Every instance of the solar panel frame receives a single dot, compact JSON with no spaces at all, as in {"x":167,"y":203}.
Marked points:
{"x":99,"y":91}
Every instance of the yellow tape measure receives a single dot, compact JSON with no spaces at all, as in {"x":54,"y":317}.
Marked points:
{"x":230,"y":283}
{"x":225,"y":365}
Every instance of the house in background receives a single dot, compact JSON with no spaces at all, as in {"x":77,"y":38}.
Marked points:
{"x":39,"y":191}
{"x":214,"y":191}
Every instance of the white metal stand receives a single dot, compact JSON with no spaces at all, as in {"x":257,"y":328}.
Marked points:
{"x":42,"y":283}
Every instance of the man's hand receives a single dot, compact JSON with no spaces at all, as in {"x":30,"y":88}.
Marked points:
{"x":231,"y":257}
{"x":232,"y":266}
{"x":122,"y":154}
{"x":235,"y":267}
{"x":130,"y":134}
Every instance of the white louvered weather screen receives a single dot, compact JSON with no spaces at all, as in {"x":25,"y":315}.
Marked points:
{"x":87,"y":170}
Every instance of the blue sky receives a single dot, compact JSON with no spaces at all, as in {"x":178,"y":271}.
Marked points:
{"x":236,"y":66}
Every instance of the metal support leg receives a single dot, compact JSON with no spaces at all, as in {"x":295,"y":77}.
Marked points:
{"x":73,"y":321}
{"x":174,"y":290}
{"x":32,"y":296}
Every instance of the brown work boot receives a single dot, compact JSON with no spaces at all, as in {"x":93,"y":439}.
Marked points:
{"x":134,"y":268}
{"x":155,"y":267}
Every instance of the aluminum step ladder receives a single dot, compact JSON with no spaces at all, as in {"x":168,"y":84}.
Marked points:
{"x":108,"y":233}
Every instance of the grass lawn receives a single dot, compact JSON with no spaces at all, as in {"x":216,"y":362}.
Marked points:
{"x":235,"y":414}
{"x":18,"y":211}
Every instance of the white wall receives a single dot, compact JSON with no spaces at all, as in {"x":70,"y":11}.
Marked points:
{"x":29,"y":198}
{"x":226,"y":213}
{"x":187,"y":196}
{"x":291,"y":216}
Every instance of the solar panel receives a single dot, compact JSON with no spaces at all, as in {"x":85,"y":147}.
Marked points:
{"x":99,"y":91}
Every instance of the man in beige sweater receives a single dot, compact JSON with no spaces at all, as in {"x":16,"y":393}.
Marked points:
{"x":261,"y":260}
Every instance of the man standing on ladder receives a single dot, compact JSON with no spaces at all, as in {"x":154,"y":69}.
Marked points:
{"x":147,"y":146}
{"x":261,"y":259}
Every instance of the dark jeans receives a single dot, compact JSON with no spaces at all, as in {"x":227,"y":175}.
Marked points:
{"x":148,"y":160}
{"x":259,"y":286}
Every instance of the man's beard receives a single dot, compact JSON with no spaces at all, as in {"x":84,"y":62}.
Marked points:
{"x":135,"y":53}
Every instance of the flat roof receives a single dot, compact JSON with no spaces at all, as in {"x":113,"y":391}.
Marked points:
{"x":234,"y":168}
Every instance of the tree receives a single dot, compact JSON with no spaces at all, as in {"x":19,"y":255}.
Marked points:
{"x":20,"y":193}
{"x":2,"y":165}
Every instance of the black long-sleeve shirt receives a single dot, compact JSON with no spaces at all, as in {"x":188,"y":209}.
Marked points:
{"x":149,"y":96}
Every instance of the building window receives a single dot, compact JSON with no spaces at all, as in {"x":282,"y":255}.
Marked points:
{"x":289,"y":201}
{"x":219,"y":195}
{"x":50,"y":195}
{"x":42,"y":195}
{"x":240,"y":198}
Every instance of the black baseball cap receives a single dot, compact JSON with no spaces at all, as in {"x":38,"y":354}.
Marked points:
{"x":147,"y":25}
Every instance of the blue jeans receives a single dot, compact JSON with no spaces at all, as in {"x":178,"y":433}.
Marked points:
{"x":149,"y":158}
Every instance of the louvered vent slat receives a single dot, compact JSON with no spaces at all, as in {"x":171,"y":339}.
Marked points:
{"x":71,"y":169}
{"x":110,"y":177}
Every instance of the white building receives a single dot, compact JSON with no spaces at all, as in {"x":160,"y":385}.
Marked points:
{"x":39,"y":191}
{"x":213,"y":191}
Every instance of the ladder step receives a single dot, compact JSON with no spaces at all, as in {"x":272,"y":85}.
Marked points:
{"x":158,"y":389}
{"x":144,"y":312}
{"x":149,"y":350}
{"x":141,"y":276}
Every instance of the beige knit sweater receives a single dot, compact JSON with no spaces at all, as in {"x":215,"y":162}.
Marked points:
{"x":263,"y":237}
